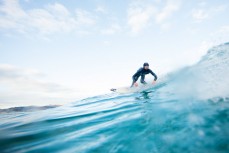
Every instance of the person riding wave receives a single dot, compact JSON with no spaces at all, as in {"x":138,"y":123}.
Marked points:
{"x":142,"y":72}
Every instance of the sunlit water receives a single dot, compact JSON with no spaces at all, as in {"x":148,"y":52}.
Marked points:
{"x":186,"y":112}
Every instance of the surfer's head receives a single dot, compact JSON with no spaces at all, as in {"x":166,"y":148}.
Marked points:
{"x":146,"y":66}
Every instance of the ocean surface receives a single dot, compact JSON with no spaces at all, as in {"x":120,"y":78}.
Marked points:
{"x":187,"y":111}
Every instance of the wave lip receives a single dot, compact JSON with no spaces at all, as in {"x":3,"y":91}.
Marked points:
{"x":204,"y":80}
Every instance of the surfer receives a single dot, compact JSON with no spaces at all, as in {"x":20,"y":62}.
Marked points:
{"x":142,"y":72}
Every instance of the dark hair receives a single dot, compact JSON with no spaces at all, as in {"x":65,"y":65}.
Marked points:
{"x":145,"y":64}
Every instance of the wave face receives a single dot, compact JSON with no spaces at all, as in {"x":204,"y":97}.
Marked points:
{"x":187,"y":111}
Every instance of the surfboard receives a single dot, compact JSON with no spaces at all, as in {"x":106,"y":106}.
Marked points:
{"x":133,"y":89}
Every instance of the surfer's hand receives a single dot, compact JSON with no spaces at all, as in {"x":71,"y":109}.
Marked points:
{"x":154,"y":82}
{"x":135,"y":84}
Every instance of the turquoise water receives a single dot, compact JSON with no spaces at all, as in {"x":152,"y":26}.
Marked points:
{"x":187,"y":111}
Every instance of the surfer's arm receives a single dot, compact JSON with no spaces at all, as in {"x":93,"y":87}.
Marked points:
{"x":155,"y":76}
{"x":135,"y":78}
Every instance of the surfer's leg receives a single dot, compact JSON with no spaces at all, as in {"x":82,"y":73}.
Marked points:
{"x":134,"y":80}
{"x":132,"y":84}
{"x":143,"y":79}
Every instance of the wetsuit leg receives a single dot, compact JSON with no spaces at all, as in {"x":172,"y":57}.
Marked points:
{"x":132,"y":83}
{"x":134,"y":80}
{"x":143,"y":79}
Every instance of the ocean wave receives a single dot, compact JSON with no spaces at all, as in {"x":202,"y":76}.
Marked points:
{"x":187,"y":111}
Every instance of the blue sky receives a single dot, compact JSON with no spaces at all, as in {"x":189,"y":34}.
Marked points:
{"x":54,"y":52}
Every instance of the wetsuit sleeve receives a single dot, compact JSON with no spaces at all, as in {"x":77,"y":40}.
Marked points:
{"x":155,"y":76}
{"x":136,"y":75}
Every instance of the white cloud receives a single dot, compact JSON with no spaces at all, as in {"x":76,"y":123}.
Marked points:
{"x":84,"y":17}
{"x":115,"y":28}
{"x":8,"y":71}
{"x":21,"y":87}
{"x":24,"y":79}
{"x":199,"y":15}
{"x":12,"y":8}
{"x":170,"y":7}
{"x":10,"y":13}
{"x":139,"y":17}
{"x":141,"y":14}
{"x":100,"y":9}
{"x":59,"y":10}
{"x":50,"y":19}
{"x":203,"y":13}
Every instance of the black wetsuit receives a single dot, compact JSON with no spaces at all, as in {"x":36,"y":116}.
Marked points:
{"x":142,"y":72}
